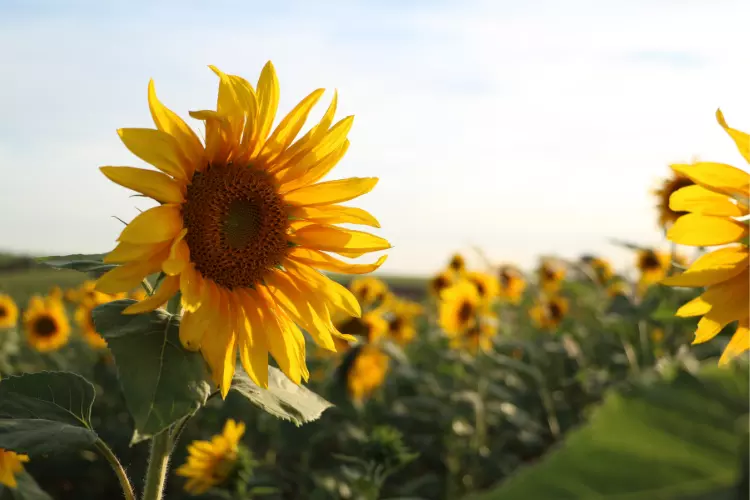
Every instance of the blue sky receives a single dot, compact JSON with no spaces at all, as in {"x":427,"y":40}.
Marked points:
{"x":523,"y":128}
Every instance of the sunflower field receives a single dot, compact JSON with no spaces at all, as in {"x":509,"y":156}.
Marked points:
{"x":145,"y":372}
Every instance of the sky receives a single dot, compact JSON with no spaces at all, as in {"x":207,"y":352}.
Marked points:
{"x":520,"y":128}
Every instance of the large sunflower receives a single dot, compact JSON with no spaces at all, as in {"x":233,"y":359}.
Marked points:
{"x":720,"y":196}
{"x":677,"y":181}
{"x":8,"y":311}
{"x":46,"y":324}
{"x":243,"y":227}
{"x":11,"y":464}
{"x":511,"y":284}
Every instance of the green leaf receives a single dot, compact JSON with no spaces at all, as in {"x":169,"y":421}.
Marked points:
{"x":26,"y":489}
{"x":46,"y":412}
{"x":94,"y":268}
{"x":622,"y":306}
{"x":161,"y":381}
{"x":665,"y":440}
{"x":283,"y":398}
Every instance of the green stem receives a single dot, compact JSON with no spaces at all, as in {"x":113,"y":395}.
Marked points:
{"x":158,"y":462}
{"x":127,"y":488}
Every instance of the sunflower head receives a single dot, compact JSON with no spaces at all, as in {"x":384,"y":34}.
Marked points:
{"x":601,"y":268}
{"x":370,"y":327}
{"x":550,"y":274}
{"x":8,"y":311}
{"x":549,"y":312}
{"x":478,"y":337}
{"x":46,"y":324}
{"x":366,"y":372}
{"x":460,"y":306}
{"x":86,"y":325}
{"x":618,"y":286}
{"x":487,"y":285}
{"x":370,"y":292}
{"x":652,"y":265}
{"x":243,"y":226}
{"x":668,"y":187}
{"x":457,"y":264}
{"x":11,"y":464}
{"x":440,"y":282}
{"x":511,"y":283}
{"x":210,"y":463}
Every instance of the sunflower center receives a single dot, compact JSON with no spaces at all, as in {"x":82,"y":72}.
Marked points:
{"x":236,"y":224}
{"x":355,"y":326}
{"x":439,"y":283}
{"x":650,"y":261}
{"x":481,"y":290}
{"x":395,"y":324}
{"x":45,"y":326}
{"x":3,"y":312}
{"x":555,"y":311}
{"x":465,"y":312}
{"x":504,"y":279}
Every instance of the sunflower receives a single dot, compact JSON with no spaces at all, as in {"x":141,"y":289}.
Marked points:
{"x":369,"y":291}
{"x":210,"y":463}
{"x":457,"y":264}
{"x":8,"y":311}
{"x":720,"y":196}
{"x":486,"y":284}
{"x":440,"y":282}
{"x":511,"y":284}
{"x":55,"y":292}
{"x":548,"y":312}
{"x":46,"y":324}
{"x":677,"y":181}
{"x":367,"y":372}
{"x":401,"y":327}
{"x":550,"y":274}
{"x":618,"y":286}
{"x":459,"y":308}
{"x":86,"y":325}
{"x":370,"y":327}
{"x":11,"y":464}
{"x":601,"y":268}
{"x":243,"y":227}
{"x":652,"y":265}
{"x":87,"y":292}
{"x":477,"y":337}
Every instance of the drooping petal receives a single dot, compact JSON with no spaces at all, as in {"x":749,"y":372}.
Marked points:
{"x":696,"y":307}
{"x":717,"y":177}
{"x":191,"y":331}
{"x":156,"y":185}
{"x":705,"y":230}
{"x":191,"y":288}
{"x":339,"y":240}
{"x":155,"y":225}
{"x":288,"y":128}
{"x":128,"y":276}
{"x":335,"y":214}
{"x":320,"y":260}
{"x":281,"y":340}
{"x":219,"y":348}
{"x":168,"y":287}
{"x":157,"y":148}
{"x":741,"y":139}
{"x":253,"y":346}
{"x":335,"y":294}
{"x":740,"y":343}
{"x":126,"y":252}
{"x":700,"y":200}
{"x":730,"y":306}
{"x":713,"y":267}
{"x":179,"y":255}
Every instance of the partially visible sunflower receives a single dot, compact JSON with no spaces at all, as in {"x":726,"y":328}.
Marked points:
{"x":602,"y":269}
{"x":720,"y":196}
{"x":548,"y":312}
{"x":46,"y":324}
{"x":11,"y":464}
{"x":459,"y":308}
{"x":676,"y":181}
{"x":550,"y":274}
{"x":244,"y":226}
{"x":653,"y":265}
{"x":618,"y":286}
{"x":457,"y":264}
{"x":369,"y":328}
{"x":55,"y":292}
{"x":486,"y":284}
{"x":210,"y":463}
{"x":367,"y":372}
{"x":478,"y":337}
{"x":8,"y":311}
{"x":401,"y":328}
{"x":440,"y":282}
{"x":86,"y":325}
{"x":511,"y":284}
{"x":369,"y":291}
{"x":87,"y":292}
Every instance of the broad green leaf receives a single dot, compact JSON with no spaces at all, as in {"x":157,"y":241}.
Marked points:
{"x":663,"y":440}
{"x":46,"y":412}
{"x":94,"y":268}
{"x":283,"y":398}
{"x":161,"y":381}
{"x":26,"y":489}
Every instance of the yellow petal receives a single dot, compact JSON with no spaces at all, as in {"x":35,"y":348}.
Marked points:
{"x":157,"y":148}
{"x":155,"y":225}
{"x":219,"y":348}
{"x":126,"y":252}
{"x":253,"y":346}
{"x":716,"y":177}
{"x":191,"y":331}
{"x":696,"y":307}
{"x":167,"y":121}
{"x":191,"y":288}
{"x":700,"y":200}
{"x":730,"y":305}
{"x":335,"y":239}
{"x":713,"y":267}
{"x":741,"y":139}
{"x":126,"y":277}
{"x":326,"y":193}
{"x":167,"y":288}
{"x":289,"y":127}
{"x":228,"y":105}
{"x":740,"y":343}
{"x":268,"y":103}
{"x":219,"y":135}
{"x":705,"y":230}
{"x":334,"y":293}
{"x":179,"y":255}
{"x":156,"y":185}
{"x":335,"y":214}
{"x":281,"y":339}
{"x":323,"y":261}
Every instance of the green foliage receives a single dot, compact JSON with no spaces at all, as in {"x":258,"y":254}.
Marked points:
{"x":94,"y":268}
{"x":663,"y":439}
{"x":26,"y":489}
{"x":283,"y":398}
{"x":161,"y":381}
{"x":46,"y":412}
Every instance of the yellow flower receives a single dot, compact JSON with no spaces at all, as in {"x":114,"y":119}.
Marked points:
{"x":87,"y":292}
{"x":677,"y":181}
{"x":369,"y":291}
{"x":459,"y":308}
{"x":11,"y":463}
{"x":243,"y":227}
{"x":721,"y":194}
{"x":210,"y":463}
{"x":548,"y":312}
{"x":618,"y":287}
{"x":46,"y":324}
{"x":550,"y":274}
{"x":86,"y":324}
{"x":8,"y":311}
{"x":401,"y":322}
{"x":601,"y":268}
{"x":511,"y":284}
{"x":477,"y":337}
{"x":440,"y":283}
{"x":370,"y":327}
{"x":457,"y":264}
{"x":486,"y":284}
{"x":367,"y":372}
{"x":55,"y":292}
{"x":652,"y":265}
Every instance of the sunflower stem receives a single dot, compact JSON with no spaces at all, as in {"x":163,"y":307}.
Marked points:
{"x":127,"y":488}
{"x":158,"y":463}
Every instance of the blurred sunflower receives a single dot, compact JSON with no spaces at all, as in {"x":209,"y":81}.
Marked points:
{"x":11,"y":464}
{"x":210,"y":463}
{"x":652,"y":265}
{"x":367,"y":372}
{"x":477,"y":337}
{"x":486,"y":284}
{"x":459,"y":308}
{"x":370,"y":327}
{"x":8,"y":311}
{"x":550,"y":274}
{"x":369,"y":291}
{"x":601,"y":268}
{"x":511,"y":284}
{"x":87,"y":292}
{"x":86,"y":325}
{"x":55,"y":292}
{"x":243,"y":227}
{"x":440,"y":282}
{"x":677,"y":181}
{"x":457,"y":264}
{"x":618,"y":286}
{"x":712,"y":206}
{"x":401,"y":328}
{"x":548,"y":312}
{"x":46,"y":324}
